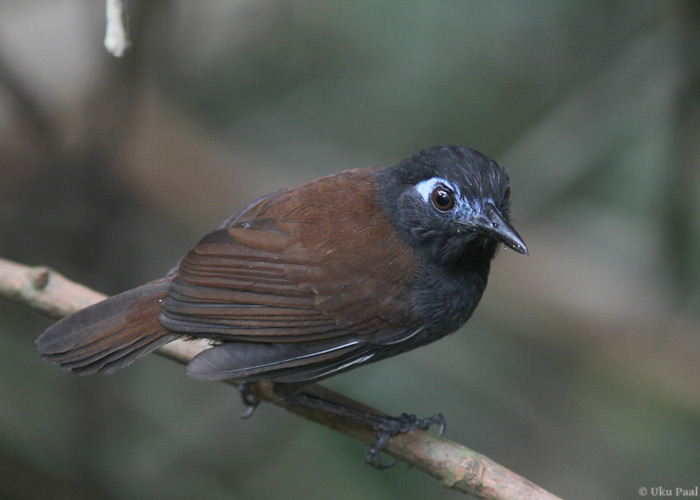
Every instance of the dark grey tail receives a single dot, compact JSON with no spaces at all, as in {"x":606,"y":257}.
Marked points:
{"x":109,"y":335}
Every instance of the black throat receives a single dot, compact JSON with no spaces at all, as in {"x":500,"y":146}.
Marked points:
{"x":453,"y":270}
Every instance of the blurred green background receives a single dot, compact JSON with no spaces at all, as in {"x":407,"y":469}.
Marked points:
{"x":581,"y":368}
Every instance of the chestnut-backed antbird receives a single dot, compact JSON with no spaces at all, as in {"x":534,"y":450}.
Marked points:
{"x":314,"y":280}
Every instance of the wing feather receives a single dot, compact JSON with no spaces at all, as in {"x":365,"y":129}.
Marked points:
{"x":276,"y":274}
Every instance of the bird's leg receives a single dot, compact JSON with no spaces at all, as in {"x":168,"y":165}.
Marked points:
{"x":385,"y":426}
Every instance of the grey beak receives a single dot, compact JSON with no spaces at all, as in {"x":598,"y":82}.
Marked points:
{"x":499,"y":229}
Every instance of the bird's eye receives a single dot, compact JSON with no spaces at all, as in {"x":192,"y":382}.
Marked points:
{"x":442,"y":198}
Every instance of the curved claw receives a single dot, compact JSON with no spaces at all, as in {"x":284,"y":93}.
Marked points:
{"x":374,"y":456}
{"x":248,"y":412}
{"x":249,"y":399}
{"x":436,"y":419}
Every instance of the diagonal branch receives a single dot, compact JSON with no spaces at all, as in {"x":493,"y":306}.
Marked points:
{"x":454,"y":465}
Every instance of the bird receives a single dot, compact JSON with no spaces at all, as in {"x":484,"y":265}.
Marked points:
{"x":314,"y":280}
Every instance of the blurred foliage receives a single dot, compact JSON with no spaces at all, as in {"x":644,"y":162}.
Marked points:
{"x":580,"y":368}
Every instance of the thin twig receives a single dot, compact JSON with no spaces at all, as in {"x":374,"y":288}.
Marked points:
{"x":454,"y":465}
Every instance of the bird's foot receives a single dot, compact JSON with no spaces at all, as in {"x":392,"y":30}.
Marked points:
{"x":250,"y":400}
{"x":391,"y":426}
{"x":385,"y":426}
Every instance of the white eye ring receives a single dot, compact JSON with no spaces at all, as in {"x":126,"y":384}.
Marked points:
{"x":425,"y":188}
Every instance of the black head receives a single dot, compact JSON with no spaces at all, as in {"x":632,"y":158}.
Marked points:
{"x":451,"y":204}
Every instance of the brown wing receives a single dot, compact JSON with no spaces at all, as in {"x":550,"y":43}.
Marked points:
{"x":317,"y":265}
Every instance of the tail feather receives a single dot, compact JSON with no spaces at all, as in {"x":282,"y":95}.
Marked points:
{"x":109,"y":335}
